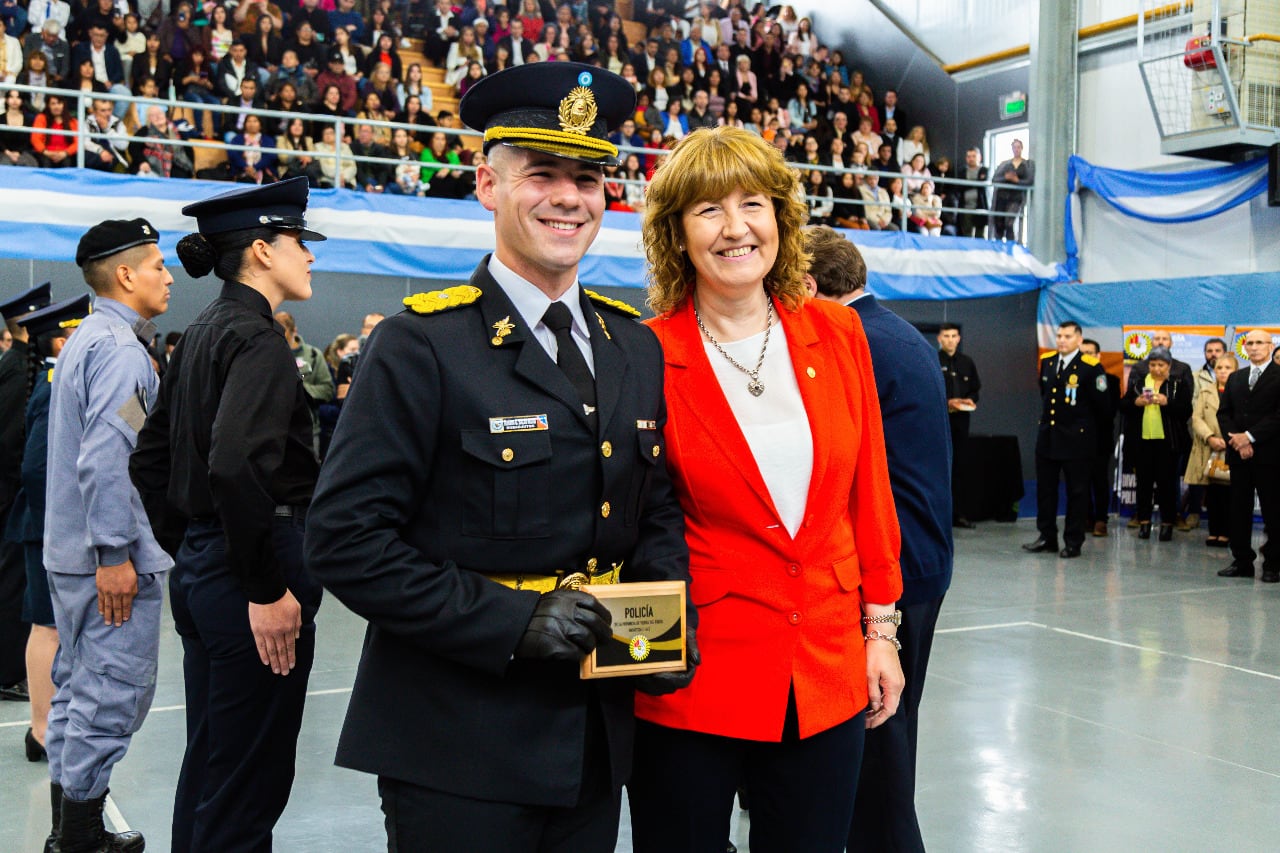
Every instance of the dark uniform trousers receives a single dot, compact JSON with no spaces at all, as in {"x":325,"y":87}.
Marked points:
{"x":13,"y":584}
{"x":888,"y":774}
{"x":1072,"y":400}
{"x":242,"y":719}
{"x":1247,"y":477}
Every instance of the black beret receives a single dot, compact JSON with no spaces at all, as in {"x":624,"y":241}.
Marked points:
{"x":63,"y":315}
{"x":24,"y":303}
{"x":561,"y":108}
{"x":280,"y":206}
{"x":114,"y":235}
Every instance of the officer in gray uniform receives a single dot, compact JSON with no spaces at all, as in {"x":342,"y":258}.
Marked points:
{"x":106,"y":570}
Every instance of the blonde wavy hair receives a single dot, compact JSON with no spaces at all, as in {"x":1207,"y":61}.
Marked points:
{"x":709,"y":164}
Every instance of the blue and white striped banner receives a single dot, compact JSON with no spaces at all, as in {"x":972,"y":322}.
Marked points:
{"x":44,"y":212}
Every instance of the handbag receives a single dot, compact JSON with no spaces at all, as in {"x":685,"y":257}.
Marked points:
{"x":1216,"y":469}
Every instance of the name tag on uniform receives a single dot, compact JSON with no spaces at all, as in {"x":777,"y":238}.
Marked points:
{"x":518,"y":423}
{"x":646,"y":424}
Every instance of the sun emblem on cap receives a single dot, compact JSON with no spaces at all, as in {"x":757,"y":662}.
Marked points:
{"x":578,"y":111}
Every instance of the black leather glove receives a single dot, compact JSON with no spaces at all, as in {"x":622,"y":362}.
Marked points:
{"x":566,"y":625}
{"x":662,"y":683}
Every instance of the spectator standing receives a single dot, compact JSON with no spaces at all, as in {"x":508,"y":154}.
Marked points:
{"x":913,"y":408}
{"x":973,"y":198}
{"x":1100,"y":468}
{"x":1156,"y":409}
{"x":890,"y":110}
{"x":962,"y":384}
{"x":1249,"y":415}
{"x":1193,"y":498}
{"x":106,"y":570}
{"x":1073,"y":391}
{"x":1207,"y":439}
{"x":1018,"y":172}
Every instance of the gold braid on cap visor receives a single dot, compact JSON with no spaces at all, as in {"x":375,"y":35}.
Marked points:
{"x":553,"y":141}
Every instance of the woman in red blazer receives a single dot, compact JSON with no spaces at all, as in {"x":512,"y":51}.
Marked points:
{"x":776,"y":450}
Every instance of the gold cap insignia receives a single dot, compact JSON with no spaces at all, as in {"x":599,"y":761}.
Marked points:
{"x":578,"y":111}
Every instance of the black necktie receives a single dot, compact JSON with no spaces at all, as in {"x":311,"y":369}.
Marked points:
{"x":560,"y":321}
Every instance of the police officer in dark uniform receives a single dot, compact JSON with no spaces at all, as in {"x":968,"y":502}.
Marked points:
{"x":961,"y":377}
{"x":1073,"y":389}
{"x":13,"y":402}
{"x":226,"y":468}
{"x":501,"y":443}
{"x":47,"y":331}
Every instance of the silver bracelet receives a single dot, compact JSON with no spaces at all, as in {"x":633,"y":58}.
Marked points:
{"x":894,"y":618}
{"x":876,"y":635}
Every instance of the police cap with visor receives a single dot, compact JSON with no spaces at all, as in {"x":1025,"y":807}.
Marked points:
{"x":561,"y":108}
{"x":280,"y":206}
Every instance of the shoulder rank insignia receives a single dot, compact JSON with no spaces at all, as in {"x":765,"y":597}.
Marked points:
{"x":1088,"y":359}
{"x":612,"y":303}
{"x":1049,"y":354}
{"x":442,"y":300}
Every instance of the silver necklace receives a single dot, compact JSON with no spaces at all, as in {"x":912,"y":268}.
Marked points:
{"x":755,"y":386}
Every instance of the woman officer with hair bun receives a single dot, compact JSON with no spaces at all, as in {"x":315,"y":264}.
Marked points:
{"x":226,"y":469}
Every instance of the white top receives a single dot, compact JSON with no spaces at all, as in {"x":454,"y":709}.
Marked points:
{"x":775,"y":424}
{"x":531,"y":303}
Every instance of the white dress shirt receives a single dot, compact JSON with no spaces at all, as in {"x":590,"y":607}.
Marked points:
{"x":531,"y":303}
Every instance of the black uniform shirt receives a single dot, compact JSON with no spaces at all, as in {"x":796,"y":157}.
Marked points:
{"x":961,"y":376}
{"x":230,"y":437}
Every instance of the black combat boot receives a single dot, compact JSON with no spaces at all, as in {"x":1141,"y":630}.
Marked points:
{"x":82,"y":830}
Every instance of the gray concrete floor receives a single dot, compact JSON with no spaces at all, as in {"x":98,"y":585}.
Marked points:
{"x":1126,"y":700}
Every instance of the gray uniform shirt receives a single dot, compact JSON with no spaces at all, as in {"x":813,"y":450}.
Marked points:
{"x":103,"y":388}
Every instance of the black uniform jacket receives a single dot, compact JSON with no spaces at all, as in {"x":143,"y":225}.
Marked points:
{"x":1071,"y":406}
{"x":229,"y":439}
{"x":463,"y":451}
{"x":1255,"y":411}
{"x":960,"y":375}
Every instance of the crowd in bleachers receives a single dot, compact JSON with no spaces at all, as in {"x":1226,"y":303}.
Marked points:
{"x":693,"y":64}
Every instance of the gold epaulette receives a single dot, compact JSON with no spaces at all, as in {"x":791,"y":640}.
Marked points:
{"x":615,"y":304}
{"x":1049,"y":354}
{"x":1089,"y":359}
{"x":442,"y":300}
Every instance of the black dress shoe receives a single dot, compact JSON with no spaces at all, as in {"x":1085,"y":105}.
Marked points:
{"x":16,"y":692}
{"x":1040,"y":546}
{"x":1237,"y":570}
{"x":35,"y":752}
{"x":1270,"y":575}
{"x":963,"y":523}
{"x":1068,"y":552}
{"x":1144,"y":530}
{"x":1166,"y":533}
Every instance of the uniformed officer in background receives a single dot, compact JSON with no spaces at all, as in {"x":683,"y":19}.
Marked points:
{"x":48,"y":330}
{"x":226,"y":467}
{"x":961,"y":377}
{"x":106,"y":571}
{"x":502,"y":442}
{"x":14,"y":382}
{"x":1073,"y":392}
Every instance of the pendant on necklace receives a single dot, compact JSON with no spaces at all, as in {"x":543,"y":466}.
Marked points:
{"x":755,"y":387}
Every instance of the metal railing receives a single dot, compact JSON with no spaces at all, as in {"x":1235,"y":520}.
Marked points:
{"x":83,"y":99}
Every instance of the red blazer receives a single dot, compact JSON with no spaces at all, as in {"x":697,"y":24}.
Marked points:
{"x":772,"y":610}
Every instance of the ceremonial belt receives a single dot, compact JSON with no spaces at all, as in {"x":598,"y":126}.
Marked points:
{"x":561,"y":579}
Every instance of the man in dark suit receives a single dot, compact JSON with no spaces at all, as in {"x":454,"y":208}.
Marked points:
{"x":1100,"y":468}
{"x":889,"y":109}
{"x":913,"y":406}
{"x":1249,"y":416}
{"x":973,"y":198}
{"x":1073,"y":390}
{"x":518,"y":47}
{"x":504,"y":440}
{"x":960,"y":375}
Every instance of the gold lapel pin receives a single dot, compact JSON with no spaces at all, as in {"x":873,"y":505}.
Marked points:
{"x":504,"y":328}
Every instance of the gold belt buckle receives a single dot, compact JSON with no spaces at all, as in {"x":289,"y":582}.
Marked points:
{"x":572,"y":581}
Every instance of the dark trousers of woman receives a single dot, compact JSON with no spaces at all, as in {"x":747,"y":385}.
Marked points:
{"x":1156,"y":465}
{"x":801,"y":790}
{"x":242,"y":720}
{"x":1218,"y":502}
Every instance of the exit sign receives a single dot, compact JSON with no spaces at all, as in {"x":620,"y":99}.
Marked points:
{"x":1013,"y":105}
